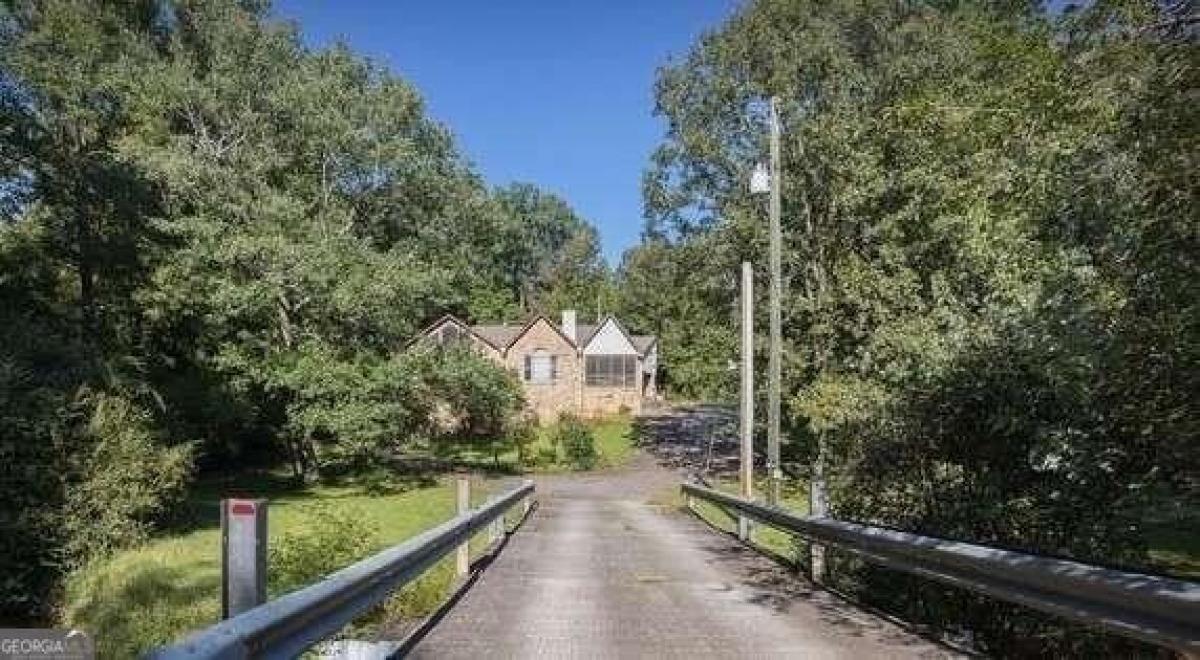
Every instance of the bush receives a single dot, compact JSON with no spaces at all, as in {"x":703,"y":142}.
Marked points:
{"x":577,"y":442}
{"x":521,"y":434}
{"x":547,"y":454}
{"x":329,"y":540}
{"x":475,"y":402}
{"x":124,"y":483}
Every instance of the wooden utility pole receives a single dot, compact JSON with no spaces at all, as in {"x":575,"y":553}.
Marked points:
{"x":775,"y":361}
{"x":747,"y":411}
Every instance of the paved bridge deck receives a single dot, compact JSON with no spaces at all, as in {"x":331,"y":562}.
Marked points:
{"x":600,"y":572}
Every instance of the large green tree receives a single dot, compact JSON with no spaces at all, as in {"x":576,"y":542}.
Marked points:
{"x":549,"y":255}
{"x":216,"y":244}
{"x":988,"y":328}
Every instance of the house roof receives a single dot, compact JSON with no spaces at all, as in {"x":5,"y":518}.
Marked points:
{"x":502,"y":335}
{"x":442,"y":320}
{"x":584,"y":333}
{"x":499,"y":336}
{"x":643,"y":343}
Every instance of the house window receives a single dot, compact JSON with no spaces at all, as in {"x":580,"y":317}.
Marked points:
{"x":450,"y":334}
{"x":541,"y":368}
{"x":612,"y":371}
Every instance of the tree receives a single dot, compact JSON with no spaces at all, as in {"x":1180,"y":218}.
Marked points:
{"x":550,"y":255}
{"x":216,"y":244}
{"x":973,"y":221}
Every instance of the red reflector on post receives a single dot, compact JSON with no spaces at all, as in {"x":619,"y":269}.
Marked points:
{"x":242,"y":508}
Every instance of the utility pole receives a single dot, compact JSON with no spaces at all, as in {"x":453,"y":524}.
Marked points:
{"x":747,"y":412}
{"x":775,"y":364}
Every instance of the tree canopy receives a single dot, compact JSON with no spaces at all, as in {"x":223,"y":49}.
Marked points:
{"x":215,"y":246}
{"x":990,"y":311}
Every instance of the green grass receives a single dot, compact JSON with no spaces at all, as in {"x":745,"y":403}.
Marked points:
{"x":614,"y":441}
{"x":614,"y":444}
{"x":614,"y":448}
{"x":155,"y":594}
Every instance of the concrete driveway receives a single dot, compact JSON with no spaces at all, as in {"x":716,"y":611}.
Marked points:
{"x":602,"y":571}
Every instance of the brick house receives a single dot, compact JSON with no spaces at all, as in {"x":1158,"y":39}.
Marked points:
{"x":588,"y":370}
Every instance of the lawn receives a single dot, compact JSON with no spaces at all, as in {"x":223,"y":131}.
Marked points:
{"x":614,"y":444}
{"x":154,"y":594}
{"x":614,"y":448}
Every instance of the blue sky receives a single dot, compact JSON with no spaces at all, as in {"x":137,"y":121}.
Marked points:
{"x":553,"y":92}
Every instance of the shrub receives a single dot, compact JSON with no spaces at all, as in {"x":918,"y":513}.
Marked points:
{"x":330,"y":539}
{"x":577,"y":442}
{"x":475,"y":400}
{"x":124,"y":482}
{"x":521,"y":434}
{"x":547,"y":454}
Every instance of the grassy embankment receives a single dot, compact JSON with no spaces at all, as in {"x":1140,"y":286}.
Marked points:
{"x":156,"y":593}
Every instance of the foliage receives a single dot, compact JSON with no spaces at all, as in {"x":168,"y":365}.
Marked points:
{"x":577,"y":441}
{"x":523,"y":434}
{"x":227,"y":240}
{"x":124,"y":482}
{"x":989,"y":330}
{"x":327,"y":539}
{"x":673,"y":291}
{"x":551,"y":256}
{"x":477,"y":402}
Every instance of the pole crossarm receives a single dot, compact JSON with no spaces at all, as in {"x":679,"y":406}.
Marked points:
{"x":1156,"y":609}
{"x":287,"y":626}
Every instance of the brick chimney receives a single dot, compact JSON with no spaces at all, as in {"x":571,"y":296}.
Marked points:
{"x":568,"y":324}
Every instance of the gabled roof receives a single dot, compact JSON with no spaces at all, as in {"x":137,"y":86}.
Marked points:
{"x":604,"y":321}
{"x":460,"y":323}
{"x":502,"y":336}
{"x":641,"y":343}
{"x":525,"y":328}
{"x":584,"y":333}
{"x":644,"y":343}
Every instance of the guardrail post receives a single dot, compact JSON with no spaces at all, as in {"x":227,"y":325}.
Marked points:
{"x":743,"y":528}
{"x":243,"y":555}
{"x":462,"y":562}
{"x":496,"y":529}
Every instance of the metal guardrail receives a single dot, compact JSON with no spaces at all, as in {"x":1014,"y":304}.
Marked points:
{"x":285,"y":627}
{"x":1155,"y":609}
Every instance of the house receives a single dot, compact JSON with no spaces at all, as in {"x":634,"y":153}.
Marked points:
{"x":588,"y":370}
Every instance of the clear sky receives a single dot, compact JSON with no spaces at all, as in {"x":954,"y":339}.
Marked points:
{"x":554,"y":92}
